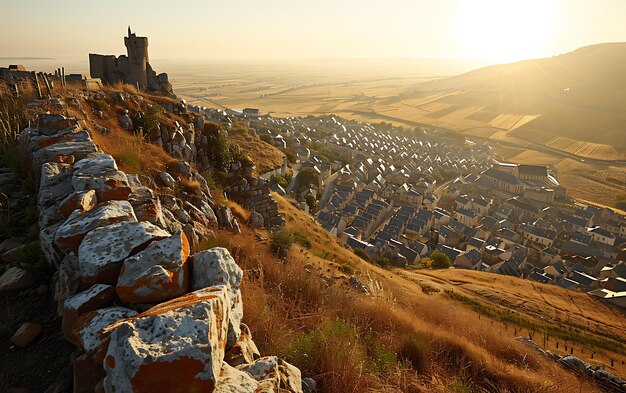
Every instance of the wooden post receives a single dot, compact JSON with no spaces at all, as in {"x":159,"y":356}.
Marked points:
{"x":37,"y":85}
{"x":47,"y":83}
{"x":62,"y":76}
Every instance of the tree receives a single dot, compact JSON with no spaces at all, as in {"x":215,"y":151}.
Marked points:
{"x":307,"y":177}
{"x":440,"y":260}
{"x":219,"y":152}
{"x":311,"y":201}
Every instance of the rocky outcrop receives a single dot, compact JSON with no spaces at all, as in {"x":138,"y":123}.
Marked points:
{"x":119,"y":249}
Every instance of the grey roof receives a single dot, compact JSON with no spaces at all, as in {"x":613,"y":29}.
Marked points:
{"x":502,"y":176}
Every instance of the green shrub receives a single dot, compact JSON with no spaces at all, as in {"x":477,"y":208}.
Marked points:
{"x":359,"y":252}
{"x":384,"y":263}
{"x":440,"y":260}
{"x":31,"y":258}
{"x":150,"y":119}
{"x":281,"y":239}
{"x":347,"y":268}
{"x":301,"y":239}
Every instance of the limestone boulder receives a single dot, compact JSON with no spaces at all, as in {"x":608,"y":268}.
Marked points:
{"x":66,"y":280}
{"x":158,"y":273}
{"x":73,"y":134}
{"x":70,"y":233}
{"x":232,"y":380}
{"x":90,"y":330}
{"x":64,"y":152}
{"x":147,"y":206}
{"x":182,"y":216}
{"x":79,"y":200}
{"x":26,"y":334}
{"x":209,"y":213}
{"x":54,"y":184}
{"x":217,"y":267}
{"x":94,"y":298}
{"x":100,"y":173}
{"x":256,"y":220}
{"x":126,"y":122}
{"x":244,"y":351}
{"x":225,"y":217}
{"x":281,"y":375}
{"x":49,"y":124}
{"x":15,"y":278}
{"x":103,"y":250}
{"x":176,"y":346}
{"x":167,"y":180}
{"x":52,"y":253}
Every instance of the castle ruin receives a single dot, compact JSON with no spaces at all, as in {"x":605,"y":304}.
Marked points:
{"x":133,"y":69}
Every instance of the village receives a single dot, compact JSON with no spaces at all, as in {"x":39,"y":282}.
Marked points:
{"x":397,"y":197}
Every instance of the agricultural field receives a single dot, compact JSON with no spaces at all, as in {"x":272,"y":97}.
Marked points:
{"x":534,"y":112}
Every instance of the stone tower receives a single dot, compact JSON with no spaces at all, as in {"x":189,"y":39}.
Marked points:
{"x":137,"y":48}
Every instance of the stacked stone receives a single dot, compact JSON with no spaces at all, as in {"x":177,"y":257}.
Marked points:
{"x":253,"y":193}
{"x":145,"y":313}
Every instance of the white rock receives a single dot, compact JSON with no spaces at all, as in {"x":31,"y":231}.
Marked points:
{"x":167,"y":180}
{"x":54,"y":183}
{"x":158,"y":273}
{"x":281,"y":374}
{"x":15,"y":278}
{"x":175,"y":346}
{"x":78,"y":224}
{"x":103,"y":250}
{"x":217,"y":267}
{"x":91,"y":334}
{"x":232,"y":380}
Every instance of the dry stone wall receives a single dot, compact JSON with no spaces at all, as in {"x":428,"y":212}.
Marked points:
{"x":253,"y":193}
{"x":146,"y":313}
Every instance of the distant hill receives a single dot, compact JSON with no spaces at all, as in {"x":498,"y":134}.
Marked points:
{"x":578,"y":96}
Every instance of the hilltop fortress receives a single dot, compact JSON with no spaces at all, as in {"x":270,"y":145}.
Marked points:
{"x":134,"y":69}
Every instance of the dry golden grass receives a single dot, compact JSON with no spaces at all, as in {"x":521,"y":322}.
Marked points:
{"x":356,"y":343}
{"x":449,"y":323}
{"x":265,"y":156}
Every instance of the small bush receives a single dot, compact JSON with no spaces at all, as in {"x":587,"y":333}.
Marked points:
{"x":347,"y":268}
{"x":384,"y":263}
{"x":440,"y":260}
{"x":281,"y":240}
{"x":302,"y":239}
{"x":359,"y":252}
{"x":31,"y":258}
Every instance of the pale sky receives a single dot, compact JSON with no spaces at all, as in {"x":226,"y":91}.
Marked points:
{"x":498,"y":30}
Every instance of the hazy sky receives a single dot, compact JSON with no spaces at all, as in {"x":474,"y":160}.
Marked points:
{"x":498,"y":30}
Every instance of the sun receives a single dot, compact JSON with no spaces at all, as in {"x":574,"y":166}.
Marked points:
{"x":506,"y":30}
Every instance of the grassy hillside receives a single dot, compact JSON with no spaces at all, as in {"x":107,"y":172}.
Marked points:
{"x":403,"y":337}
{"x":577,"y":98}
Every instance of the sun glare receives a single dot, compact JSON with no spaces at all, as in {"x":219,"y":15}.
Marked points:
{"x":506,"y":30}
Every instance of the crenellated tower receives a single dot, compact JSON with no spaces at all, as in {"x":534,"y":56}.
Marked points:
{"x":137,"y":48}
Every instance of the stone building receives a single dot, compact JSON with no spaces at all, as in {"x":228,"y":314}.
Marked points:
{"x":134,"y":68}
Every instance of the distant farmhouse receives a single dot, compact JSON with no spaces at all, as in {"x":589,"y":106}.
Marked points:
{"x":134,"y":69}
